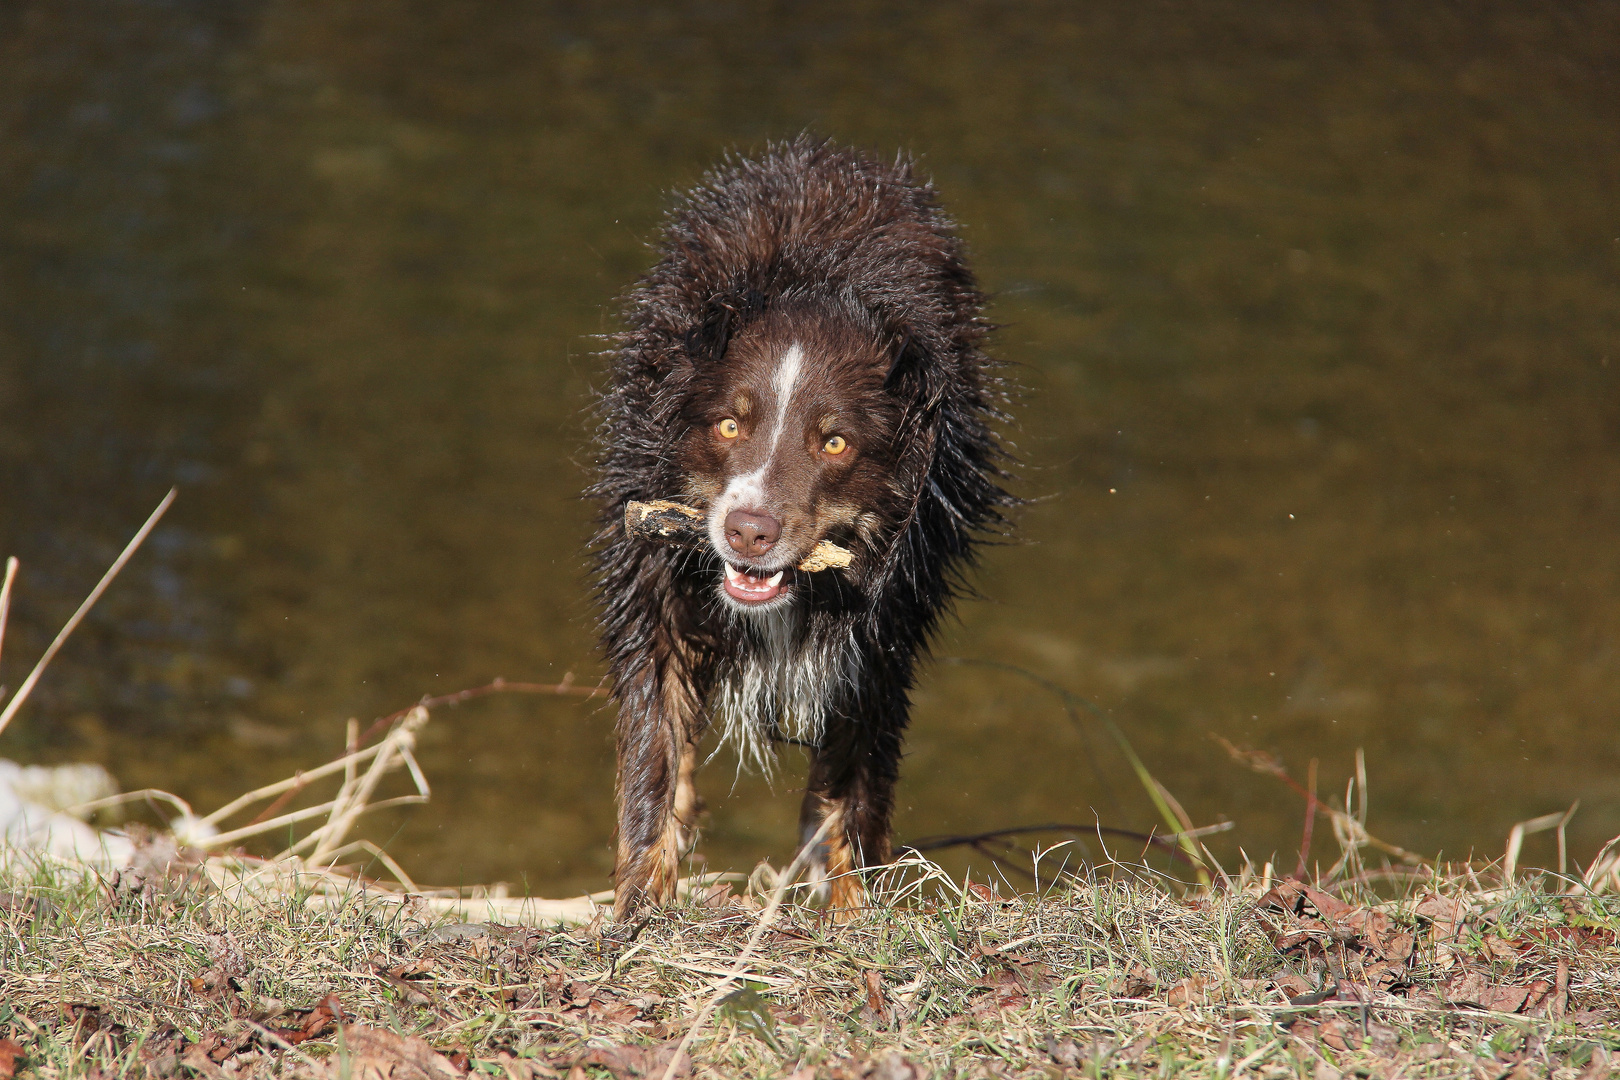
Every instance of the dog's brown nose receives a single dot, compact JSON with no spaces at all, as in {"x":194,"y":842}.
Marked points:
{"x":751,"y":533}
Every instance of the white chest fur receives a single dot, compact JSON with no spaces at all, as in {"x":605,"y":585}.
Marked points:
{"x":783,"y":686}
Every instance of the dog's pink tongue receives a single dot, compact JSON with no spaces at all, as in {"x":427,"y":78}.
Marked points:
{"x":752,"y":588}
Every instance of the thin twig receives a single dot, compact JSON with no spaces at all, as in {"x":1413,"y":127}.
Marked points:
{"x":27,"y":687}
{"x":1266,"y":765}
{"x":766,"y":917}
{"x":5,"y":600}
{"x":1170,"y":843}
{"x":1302,"y":871}
{"x":496,"y":686}
{"x":1155,"y":791}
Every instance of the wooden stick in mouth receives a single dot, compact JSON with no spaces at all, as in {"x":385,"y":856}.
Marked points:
{"x":663,"y":521}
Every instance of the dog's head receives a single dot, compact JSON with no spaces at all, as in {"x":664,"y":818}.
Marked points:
{"x":790,"y":441}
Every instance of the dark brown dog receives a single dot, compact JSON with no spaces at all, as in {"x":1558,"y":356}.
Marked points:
{"x":802,"y":364}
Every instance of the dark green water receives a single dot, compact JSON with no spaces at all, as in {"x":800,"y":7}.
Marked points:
{"x":1318,"y":315}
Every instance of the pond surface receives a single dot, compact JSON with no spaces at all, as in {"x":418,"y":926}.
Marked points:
{"x":1317,"y":320}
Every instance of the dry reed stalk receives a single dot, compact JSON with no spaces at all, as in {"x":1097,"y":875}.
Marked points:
{"x":1266,"y":765}
{"x":5,"y":603}
{"x":353,"y":799}
{"x":1510,"y":860}
{"x":27,"y":686}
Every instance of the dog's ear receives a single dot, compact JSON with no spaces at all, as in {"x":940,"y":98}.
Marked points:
{"x":900,"y":364}
{"x":723,"y":316}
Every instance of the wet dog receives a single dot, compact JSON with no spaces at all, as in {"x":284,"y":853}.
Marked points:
{"x":803,"y":364}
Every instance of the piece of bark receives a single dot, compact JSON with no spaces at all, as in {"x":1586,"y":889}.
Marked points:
{"x":663,"y":521}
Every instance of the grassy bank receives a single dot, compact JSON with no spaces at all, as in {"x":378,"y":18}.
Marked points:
{"x":166,"y":975}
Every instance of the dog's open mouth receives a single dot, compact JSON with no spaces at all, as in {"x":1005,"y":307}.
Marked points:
{"x":748,"y":587}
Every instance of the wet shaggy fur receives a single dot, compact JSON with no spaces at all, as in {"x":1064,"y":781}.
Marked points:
{"x":821,"y":249}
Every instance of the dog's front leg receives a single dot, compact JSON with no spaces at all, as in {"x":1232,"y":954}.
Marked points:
{"x":852,"y":778}
{"x":660,"y":721}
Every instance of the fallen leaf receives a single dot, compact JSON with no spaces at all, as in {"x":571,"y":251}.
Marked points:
{"x":317,"y":1022}
{"x":1502,"y":950}
{"x":637,"y":1061}
{"x":876,"y":1011}
{"x":9,"y":1053}
{"x":1064,"y":1052}
{"x":1466,"y":989}
{"x":1187,"y":991}
{"x":1445,"y":914}
{"x":895,"y":1066}
{"x":1299,"y":899}
{"x":1334,"y":1033}
{"x":605,"y":1010}
{"x":1505,"y":999}
{"x":368,"y":1053}
{"x":520,"y":1068}
{"x":1135,"y":983}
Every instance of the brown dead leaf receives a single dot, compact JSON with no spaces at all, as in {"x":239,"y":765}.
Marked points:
{"x":638,"y":1061}
{"x":1472,"y":988}
{"x":368,"y":1053}
{"x":1136,"y":982}
{"x":1507,"y":999}
{"x":1444,"y":914}
{"x":1293,"y":986}
{"x":1503,"y":950}
{"x":605,"y":1010}
{"x":1065,"y":1052}
{"x":876,"y":1011}
{"x":893,"y":1066}
{"x":317,"y":1022}
{"x":10,"y":1054}
{"x":1301,"y":900}
{"x":1466,"y":989}
{"x":984,"y":892}
{"x":1188,"y":991}
{"x":521,"y":1068}
{"x":1336,"y":1034}
{"x":197,"y":1060}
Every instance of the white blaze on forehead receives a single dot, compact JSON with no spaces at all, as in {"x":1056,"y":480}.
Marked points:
{"x":784,"y":382}
{"x":747,"y":492}
{"x":750,"y":487}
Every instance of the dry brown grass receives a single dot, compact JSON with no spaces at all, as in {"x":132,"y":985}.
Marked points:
{"x":169,"y":976}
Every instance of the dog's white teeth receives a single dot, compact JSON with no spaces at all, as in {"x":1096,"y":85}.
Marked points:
{"x":733,"y":575}
{"x":775,"y":579}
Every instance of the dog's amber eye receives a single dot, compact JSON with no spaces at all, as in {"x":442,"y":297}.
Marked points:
{"x":728,"y":428}
{"x":835,"y":445}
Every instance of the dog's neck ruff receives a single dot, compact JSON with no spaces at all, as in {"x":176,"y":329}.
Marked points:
{"x":781,"y":684}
